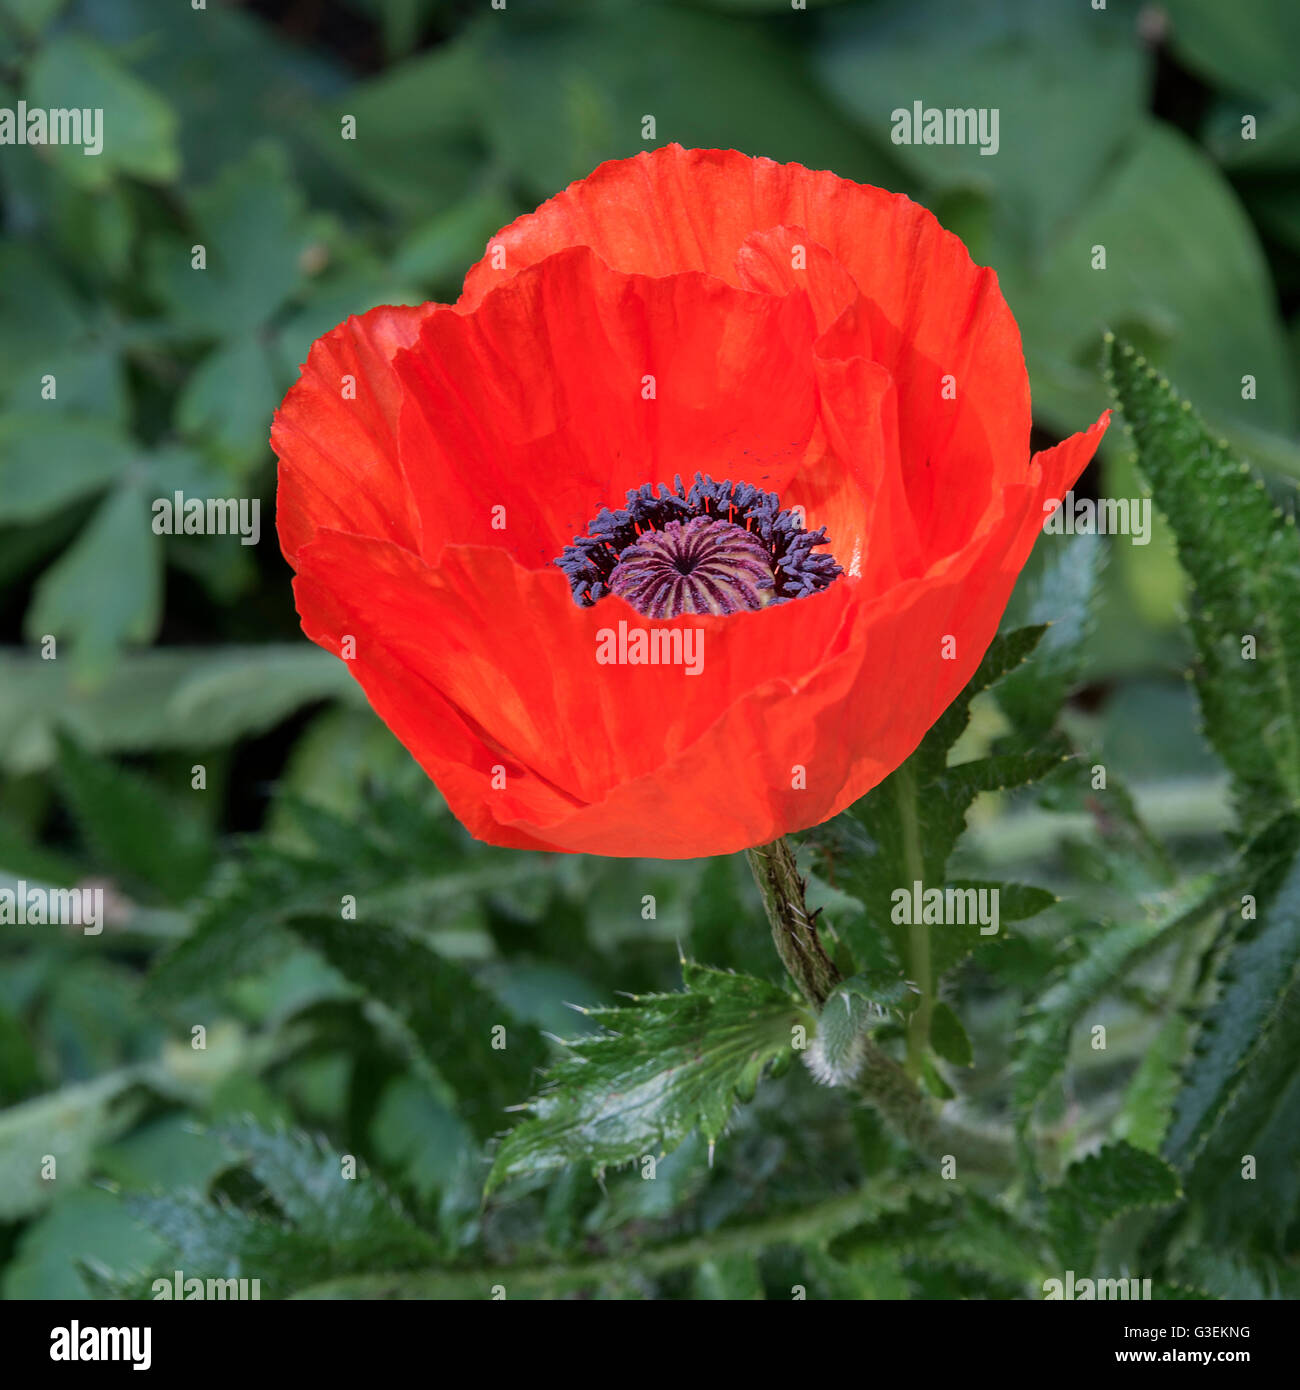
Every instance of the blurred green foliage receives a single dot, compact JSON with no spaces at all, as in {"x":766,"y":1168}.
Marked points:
{"x":1120,"y":129}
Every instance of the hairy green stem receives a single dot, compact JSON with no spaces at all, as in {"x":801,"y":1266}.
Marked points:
{"x":911,"y":1113}
{"x":793,"y":930}
{"x":915,"y":1118}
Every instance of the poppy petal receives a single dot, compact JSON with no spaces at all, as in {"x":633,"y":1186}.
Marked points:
{"x":574,"y":383}
{"x":336,"y":433}
{"x":938,"y":323}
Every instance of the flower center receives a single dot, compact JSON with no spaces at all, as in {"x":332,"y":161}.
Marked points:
{"x":719,"y":548}
{"x":696,"y":566}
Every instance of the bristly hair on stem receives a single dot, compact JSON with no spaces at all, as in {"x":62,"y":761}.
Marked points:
{"x":881,"y":1081}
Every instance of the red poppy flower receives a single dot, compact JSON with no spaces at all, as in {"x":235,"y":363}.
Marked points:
{"x":485,"y":510}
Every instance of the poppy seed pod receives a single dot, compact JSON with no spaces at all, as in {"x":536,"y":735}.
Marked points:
{"x":684,"y":524}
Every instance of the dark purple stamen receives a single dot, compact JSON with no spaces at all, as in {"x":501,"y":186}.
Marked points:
{"x":654,"y":554}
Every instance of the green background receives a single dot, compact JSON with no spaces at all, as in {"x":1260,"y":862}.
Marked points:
{"x":1119,"y":128}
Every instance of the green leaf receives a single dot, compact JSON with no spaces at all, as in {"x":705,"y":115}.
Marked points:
{"x":324,"y":1224}
{"x":1244,"y":562}
{"x":88,"y":1224}
{"x":855,"y":1006}
{"x":172,"y":698}
{"x":389,"y":852}
{"x":467,"y":1038}
{"x":1056,"y":588}
{"x":90,"y":395}
{"x":418,"y":148}
{"x":1069,"y":85}
{"x":925,"y":803}
{"x":48,"y":460}
{"x":1237,"y":1275}
{"x":883,"y":991}
{"x":1101,"y":1187}
{"x":252,"y":224}
{"x":1241,"y":1085}
{"x":138,"y":129}
{"x":65,"y":1125}
{"x":959,"y":1229}
{"x":228,"y":402}
{"x":40,"y":316}
{"x":949,"y":1037}
{"x":1016,"y":902}
{"x":441,"y":248}
{"x":1202,"y":307}
{"x":134,"y":830}
{"x":567,"y":95}
{"x":1254,"y":58}
{"x":304,"y":1178}
{"x":1109,"y":956}
{"x":1149,"y":1098}
{"x":664,"y":1066}
{"x":105,"y":589}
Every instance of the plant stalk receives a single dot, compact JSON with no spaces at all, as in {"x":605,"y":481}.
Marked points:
{"x":911,"y":1113}
{"x":793,"y":930}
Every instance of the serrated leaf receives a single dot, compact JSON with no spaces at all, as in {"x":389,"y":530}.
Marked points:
{"x":662,"y":1067}
{"x":468,"y":1038}
{"x":1101,"y":1187}
{"x":305,"y":1179}
{"x":964,"y":1230}
{"x":1258,"y":975}
{"x":1056,"y":588}
{"x":1237,"y":1275}
{"x":1244,"y":563}
{"x":1240,"y":1099}
{"x":1109,"y":956}
{"x":133,"y":829}
{"x":388,"y":855}
{"x":325,"y":1224}
{"x":1149,"y":1097}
